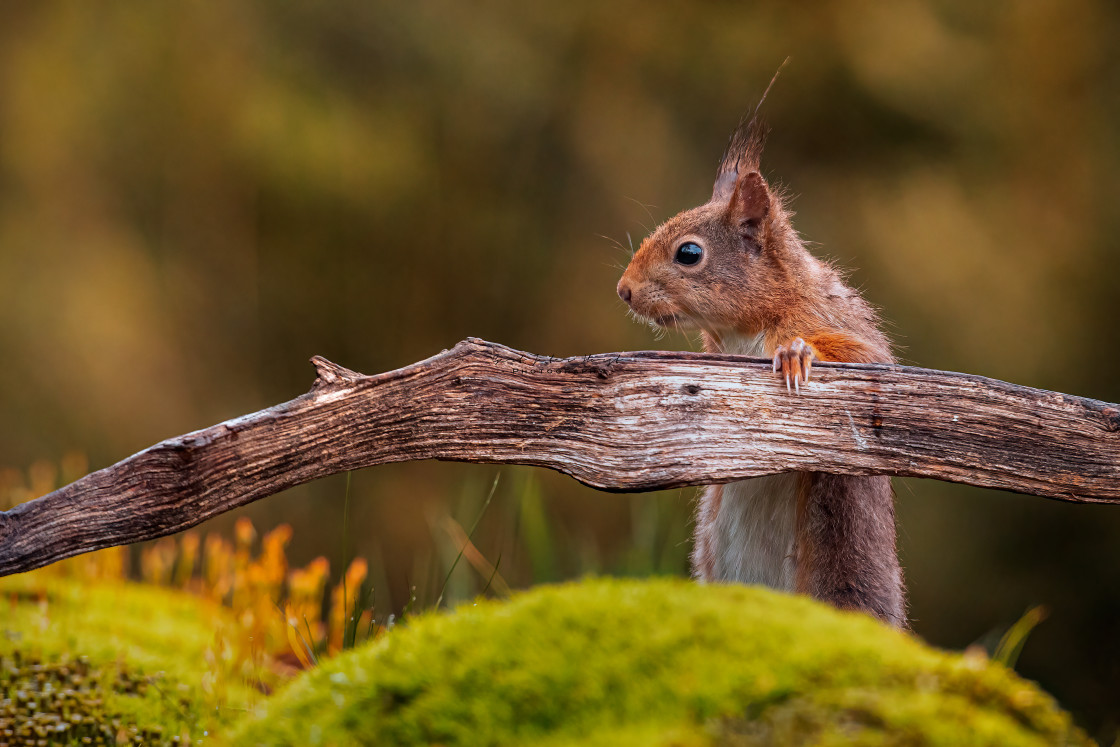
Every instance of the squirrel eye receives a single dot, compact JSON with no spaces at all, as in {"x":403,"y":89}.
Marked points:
{"x":689,"y":253}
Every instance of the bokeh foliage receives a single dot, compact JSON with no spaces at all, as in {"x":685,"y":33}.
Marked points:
{"x":195,"y":198}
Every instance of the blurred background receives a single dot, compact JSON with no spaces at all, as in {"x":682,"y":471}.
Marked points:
{"x":197,"y":197}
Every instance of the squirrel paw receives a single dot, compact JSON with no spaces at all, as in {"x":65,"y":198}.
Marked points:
{"x":793,"y":361}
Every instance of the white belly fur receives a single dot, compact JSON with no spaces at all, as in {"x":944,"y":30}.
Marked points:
{"x":753,"y":531}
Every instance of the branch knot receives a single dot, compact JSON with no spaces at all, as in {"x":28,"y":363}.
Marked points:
{"x":331,"y":374}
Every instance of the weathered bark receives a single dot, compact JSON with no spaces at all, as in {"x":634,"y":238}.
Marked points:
{"x":620,"y":421}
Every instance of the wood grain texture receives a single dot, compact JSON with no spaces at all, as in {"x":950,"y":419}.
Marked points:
{"x":618,"y":421}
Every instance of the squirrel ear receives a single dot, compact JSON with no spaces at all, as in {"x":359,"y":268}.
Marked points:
{"x":750,"y":202}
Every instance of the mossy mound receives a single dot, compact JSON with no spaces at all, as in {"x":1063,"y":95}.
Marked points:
{"x":656,"y":662}
{"x":113,"y":661}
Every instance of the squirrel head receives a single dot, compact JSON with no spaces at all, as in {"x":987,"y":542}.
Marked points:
{"x":714,"y":267}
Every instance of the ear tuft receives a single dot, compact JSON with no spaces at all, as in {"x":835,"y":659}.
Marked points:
{"x":743,"y":154}
{"x":750,"y":202}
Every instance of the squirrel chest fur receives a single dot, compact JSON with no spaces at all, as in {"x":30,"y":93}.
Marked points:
{"x":735,"y":269}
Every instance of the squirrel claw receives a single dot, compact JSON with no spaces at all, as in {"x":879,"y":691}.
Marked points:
{"x":794,"y":362}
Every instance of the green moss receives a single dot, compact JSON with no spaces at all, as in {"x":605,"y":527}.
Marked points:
{"x":658,"y":662}
{"x":132,"y":656}
{"x":69,"y":702}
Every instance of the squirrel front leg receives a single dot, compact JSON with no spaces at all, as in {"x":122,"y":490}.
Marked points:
{"x":794,"y":359}
{"x":845,"y":543}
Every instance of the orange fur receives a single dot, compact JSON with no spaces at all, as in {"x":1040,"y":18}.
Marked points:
{"x":843,"y":348}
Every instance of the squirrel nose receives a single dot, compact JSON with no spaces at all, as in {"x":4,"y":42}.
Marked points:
{"x":624,"y":291}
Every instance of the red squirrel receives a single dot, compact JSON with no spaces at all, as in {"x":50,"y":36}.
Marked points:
{"x":736,"y":270}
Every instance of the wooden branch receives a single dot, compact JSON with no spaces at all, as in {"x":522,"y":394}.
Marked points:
{"x":620,"y":421}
